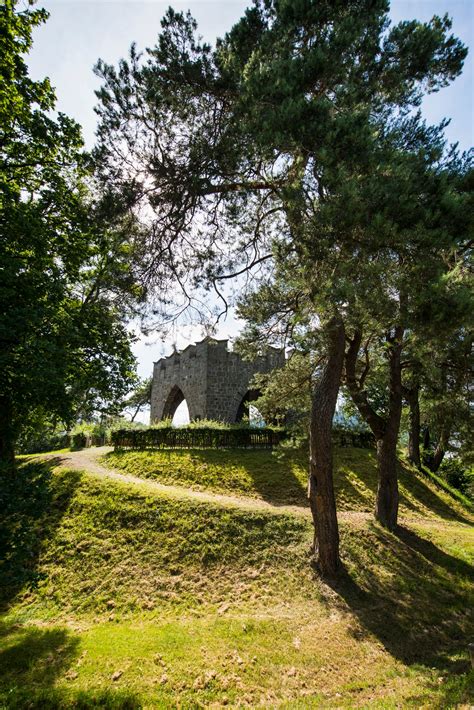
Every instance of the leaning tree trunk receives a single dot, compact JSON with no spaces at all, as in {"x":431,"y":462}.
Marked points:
{"x":320,"y":485}
{"x":436,"y":459}
{"x":7,"y":450}
{"x":413,"y":397}
{"x":385,"y":429}
{"x":386,"y":504}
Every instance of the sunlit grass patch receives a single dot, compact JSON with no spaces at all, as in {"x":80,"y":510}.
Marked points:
{"x":280,"y":477}
{"x":270,"y":475}
{"x":134,"y":598}
{"x":106,"y":542}
{"x":304,"y":657}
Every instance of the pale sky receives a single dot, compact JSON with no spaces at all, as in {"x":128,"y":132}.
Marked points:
{"x":78,"y":32}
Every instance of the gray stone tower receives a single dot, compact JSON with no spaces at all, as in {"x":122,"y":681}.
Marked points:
{"x":215,"y":382}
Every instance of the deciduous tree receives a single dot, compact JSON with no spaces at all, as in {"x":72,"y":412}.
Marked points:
{"x":139,"y":398}
{"x":65,"y":278}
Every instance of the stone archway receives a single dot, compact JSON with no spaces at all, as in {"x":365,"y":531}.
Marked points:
{"x":214,"y":381}
{"x":243,"y":408}
{"x":172,"y":402}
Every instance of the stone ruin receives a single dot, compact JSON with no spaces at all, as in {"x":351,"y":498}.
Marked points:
{"x":215,"y":382}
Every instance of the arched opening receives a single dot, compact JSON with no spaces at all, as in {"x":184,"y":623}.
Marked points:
{"x":176,"y":407}
{"x":181,"y":415}
{"x":255,"y":417}
{"x":249,"y":411}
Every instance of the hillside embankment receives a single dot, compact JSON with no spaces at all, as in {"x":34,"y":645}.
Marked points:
{"x":182,"y":579}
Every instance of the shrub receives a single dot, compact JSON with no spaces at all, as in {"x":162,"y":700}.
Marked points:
{"x":221,"y":435}
{"x":78,"y":440}
{"x":347,"y":436}
{"x":454,"y":473}
{"x":42,"y":442}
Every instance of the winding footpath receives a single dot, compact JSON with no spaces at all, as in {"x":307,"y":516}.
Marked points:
{"x":87,"y":460}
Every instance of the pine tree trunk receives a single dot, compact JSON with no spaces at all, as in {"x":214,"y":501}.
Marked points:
{"x":385,"y":429}
{"x":414,"y":433}
{"x":7,"y":441}
{"x":386,"y":504}
{"x":435,"y":461}
{"x":426,"y":438}
{"x":320,"y":486}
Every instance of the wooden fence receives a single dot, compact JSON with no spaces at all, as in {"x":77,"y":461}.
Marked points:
{"x":208,"y":438}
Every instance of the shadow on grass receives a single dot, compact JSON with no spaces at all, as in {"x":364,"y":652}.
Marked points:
{"x":275,"y":480}
{"x":272,"y":474}
{"x":416,"y":495}
{"x":31,"y":656}
{"x":431,"y":498}
{"x":434,"y":555}
{"x":236,"y":471}
{"x":411,"y":595}
{"x":31,"y":661}
{"x":31,"y":509}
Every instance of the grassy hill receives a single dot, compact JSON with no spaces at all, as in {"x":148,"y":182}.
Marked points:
{"x":280,"y":477}
{"x":117,"y":595}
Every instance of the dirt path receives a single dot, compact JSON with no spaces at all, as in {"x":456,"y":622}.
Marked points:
{"x":87,"y":460}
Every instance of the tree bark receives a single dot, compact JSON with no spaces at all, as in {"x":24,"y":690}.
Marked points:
{"x":320,"y":484}
{"x":386,"y":504}
{"x":7,"y":439}
{"x":426,"y":439}
{"x":436,"y":459}
{"x":385,"y":429}
{"x":413,"y":397}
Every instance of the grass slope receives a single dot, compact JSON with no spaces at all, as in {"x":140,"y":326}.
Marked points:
{"x":118,"y":598}
{"x":280,"y":477}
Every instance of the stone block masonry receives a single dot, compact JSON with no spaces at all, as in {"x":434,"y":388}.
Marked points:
{"x":215,"y":382}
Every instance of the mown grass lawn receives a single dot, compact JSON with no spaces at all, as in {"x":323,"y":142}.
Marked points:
{"x":113,"y":597}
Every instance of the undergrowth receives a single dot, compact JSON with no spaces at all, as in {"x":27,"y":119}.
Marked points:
{"x":450,"y":490}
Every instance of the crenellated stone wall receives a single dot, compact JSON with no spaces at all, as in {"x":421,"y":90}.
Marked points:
{"x":214,"y":381}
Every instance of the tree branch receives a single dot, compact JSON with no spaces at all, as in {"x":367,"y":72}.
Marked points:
{"x":358,"y":394}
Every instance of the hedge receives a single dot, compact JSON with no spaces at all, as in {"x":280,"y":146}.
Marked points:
{"x":358,"y":439}
{"x":213,"y":438}
{"x":191,"y":438}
